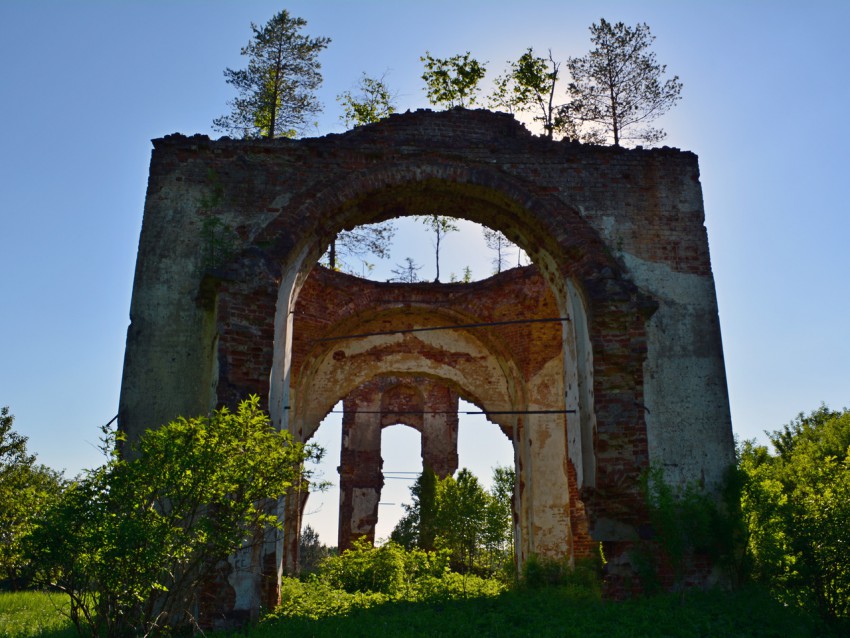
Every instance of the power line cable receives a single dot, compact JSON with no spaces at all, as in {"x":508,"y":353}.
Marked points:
{"x":435,"y":328}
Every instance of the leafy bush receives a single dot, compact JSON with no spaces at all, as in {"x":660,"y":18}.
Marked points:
{"x":796,"y":504}
{"x":690,"y":521}
{"x":582,"y":579}
{"x":364,"y":569}
{"x":363,"y":577}
{"x":131,"y":541}
{"x":26,"y":490}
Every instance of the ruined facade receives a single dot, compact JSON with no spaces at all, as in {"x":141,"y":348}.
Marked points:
{"x":602,"y":359}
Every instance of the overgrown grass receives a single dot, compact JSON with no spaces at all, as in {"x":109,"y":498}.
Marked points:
{"x":553,"y":611}
{"x":34,"y":614}
{"x":562,"y":611}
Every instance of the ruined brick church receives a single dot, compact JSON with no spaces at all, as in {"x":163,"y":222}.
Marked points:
{"x":602,"y":359}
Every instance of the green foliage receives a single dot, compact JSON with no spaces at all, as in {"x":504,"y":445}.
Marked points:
{"x":529,"y":86}
{"x":360,"y":242}
{"x":461,"y":518}
{"x":554,"y":611}
{"x":690,"y":521}
{"x":26,"y":490}
{"x":313,"y":609}
{"x":497,"y":242}
{"x":372,"y":102}
{"x":139,"y":536}
{"x":452,"y":81}
{"x":365,"y":576}
{"x":277,"y":89}
{"x":311,"y":550}
{"x":617,"y":87}
{"x":796,"y":505}
{"x":388,"y":569}
{"x":474,"y":526}
{"x":13,"y":447}
{"x":583,"y":578}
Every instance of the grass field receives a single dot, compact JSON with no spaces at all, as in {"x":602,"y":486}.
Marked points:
{"x":545,"y":612}
{"x":29,"y":614}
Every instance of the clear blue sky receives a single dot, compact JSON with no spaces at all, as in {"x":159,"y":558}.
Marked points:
{"x":87,"y":85}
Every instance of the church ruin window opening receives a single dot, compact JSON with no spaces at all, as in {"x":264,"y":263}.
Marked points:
{"x":406,"y":254}
{"x":544,"y":412}
{"x":480,"y":448}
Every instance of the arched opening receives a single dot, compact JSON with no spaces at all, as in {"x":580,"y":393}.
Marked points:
{"x":529,"y":356}
{"x":416,"y":249}
{"x":536,"y":389}
{"x":401,"y":453}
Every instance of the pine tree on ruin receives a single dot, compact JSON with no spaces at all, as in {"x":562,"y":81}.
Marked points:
{"x":277,"y":89}
{"x":618,"y":87}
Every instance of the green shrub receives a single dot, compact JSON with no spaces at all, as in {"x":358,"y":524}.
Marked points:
{"x":363,"y":577}
{"x":583,"y":578}
{"x":690,"y":521}
{"x":796,"y":503}
{"x":132,"y":541}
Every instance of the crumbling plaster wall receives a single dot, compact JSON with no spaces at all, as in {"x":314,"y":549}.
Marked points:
{"x":618,"y":236}
{"x":504,"y":368}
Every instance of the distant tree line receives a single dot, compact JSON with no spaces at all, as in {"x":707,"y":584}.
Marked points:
{"x":459,"y":515}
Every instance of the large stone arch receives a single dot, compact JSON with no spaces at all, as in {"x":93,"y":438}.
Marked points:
{"x":506,"y":370}
{"x":617,"y":235}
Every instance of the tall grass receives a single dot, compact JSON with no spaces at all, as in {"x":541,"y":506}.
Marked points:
{"x":31,"y":614}
{"x":548,"y":611}
{"x":563,"y":611}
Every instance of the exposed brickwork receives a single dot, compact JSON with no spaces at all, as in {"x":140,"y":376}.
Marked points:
{"x":429,"y":407}
{"x":617,"y":236}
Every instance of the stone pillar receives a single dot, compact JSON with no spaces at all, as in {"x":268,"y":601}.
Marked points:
{"x":545,"y":528}
{"x":439,"y":429}
{"x":548,"y":478}
{"x":292,"y":506}
{"x":361,"y":478}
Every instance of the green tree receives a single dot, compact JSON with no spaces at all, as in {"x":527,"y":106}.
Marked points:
{"x":358,"y":243}
{"x":138,"y":537}
{"x":461,"y":518}
{"x":497,"y":242}
{"x":452,"y":81}
{"x":26,"y":490}
{"x":417,"y":528}
{"x":458,"y":515}
{"x":406,"y":273}
{"x":372,"y":102}
{"x":796,"y":503}
{"x":529,"y":86}
{"x":277,"y":89}
{"x":499,"y":536}
{"x":311,"y":550}
{"x":13,"y":446}
{"x":618,"y":87}
{"x":440,"y":225}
